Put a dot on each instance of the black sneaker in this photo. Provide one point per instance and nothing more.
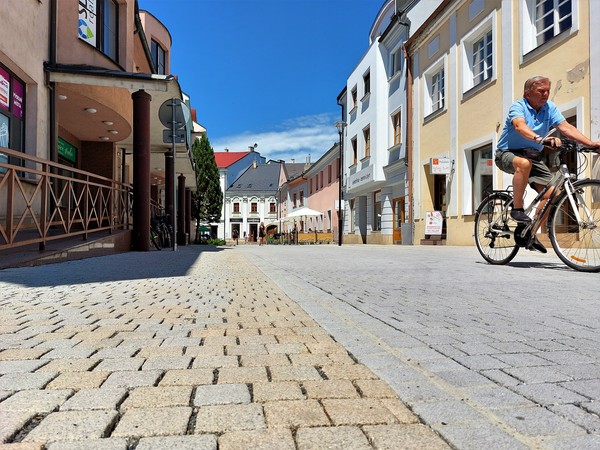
(519, 215)
(537, 245)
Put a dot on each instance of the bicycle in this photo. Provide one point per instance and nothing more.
(573, 223)
(160, 230)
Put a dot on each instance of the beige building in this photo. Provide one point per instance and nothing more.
(469, 62)
(81, 86)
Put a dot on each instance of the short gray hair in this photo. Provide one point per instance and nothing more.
(533, 81)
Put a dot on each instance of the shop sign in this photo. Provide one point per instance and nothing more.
(486, 167)
(440, 166)
(17, 107)
(434, 220)
(87, 21)
(4, 88)
(3, 131)
(360, 178)
(67, 151)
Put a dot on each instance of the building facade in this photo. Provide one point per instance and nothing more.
(470, 61)
(374, 106)
(252, 199)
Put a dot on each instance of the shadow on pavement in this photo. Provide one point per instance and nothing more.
(120, 267)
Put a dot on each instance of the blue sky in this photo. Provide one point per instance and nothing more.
(267, 71)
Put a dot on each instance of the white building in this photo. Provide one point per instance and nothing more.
(374, 108)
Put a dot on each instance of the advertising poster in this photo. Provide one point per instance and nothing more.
(17, 99)
(434, 222)
(4, 88)
(87, 21)
(3, 131)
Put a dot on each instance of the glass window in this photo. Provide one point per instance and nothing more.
(436, 91)
(396, 124)
(396, 59)
(552, 17)
(377, 211)
(354, 98)
(483, 167)
(272, 208)
(254, 207)
(236, 207)
(301, 198)
(367, 136)
(12, 112)
(482, 59)
(354, 151)
(158, 57)
(110, 28)
(367, 83)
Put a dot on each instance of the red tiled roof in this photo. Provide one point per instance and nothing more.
(225, 159)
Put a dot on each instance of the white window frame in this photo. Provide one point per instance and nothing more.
(396, 62)
(468, 171)
(529, 32)
(398, 112)
(428, 75)
(486, 26)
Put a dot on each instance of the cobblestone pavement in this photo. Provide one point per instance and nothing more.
(186, 350)
(499, 357)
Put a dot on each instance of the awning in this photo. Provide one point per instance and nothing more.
(303, 212)
(77, 79)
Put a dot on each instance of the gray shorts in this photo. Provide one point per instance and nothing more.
(540, 173)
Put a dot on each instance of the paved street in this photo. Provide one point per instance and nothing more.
(297, 347)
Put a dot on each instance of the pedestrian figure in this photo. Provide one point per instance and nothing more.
(261, 233)
(245, 238)
(235, 235)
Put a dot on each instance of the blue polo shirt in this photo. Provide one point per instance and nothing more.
(539, 121)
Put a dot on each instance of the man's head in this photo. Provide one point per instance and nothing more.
(536, 91)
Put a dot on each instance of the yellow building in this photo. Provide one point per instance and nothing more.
(468, 63)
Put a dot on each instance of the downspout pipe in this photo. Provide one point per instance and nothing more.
(409, 137)
(51, 85)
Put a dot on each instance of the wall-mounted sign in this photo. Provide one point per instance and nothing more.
(440, 166)
(87, 21)
(17, 99)
(360, 178)
(3, 131)
(67, 151)
(4, 88)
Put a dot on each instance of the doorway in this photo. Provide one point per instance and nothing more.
(399, 205)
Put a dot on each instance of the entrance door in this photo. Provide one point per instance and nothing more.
(253, 232)
(399, 217)
(439, 198)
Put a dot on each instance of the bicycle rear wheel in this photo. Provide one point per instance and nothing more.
(494, 230)
(577, 244)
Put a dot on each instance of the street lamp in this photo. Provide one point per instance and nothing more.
(340, 127)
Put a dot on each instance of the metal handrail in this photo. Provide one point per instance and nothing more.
(41, 200)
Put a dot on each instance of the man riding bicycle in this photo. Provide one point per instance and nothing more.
(522, 140)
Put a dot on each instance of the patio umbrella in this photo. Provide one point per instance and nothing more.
(304, 211)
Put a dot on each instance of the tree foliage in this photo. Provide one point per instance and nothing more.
(208, 199)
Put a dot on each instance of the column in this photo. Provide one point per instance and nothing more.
(141, 170)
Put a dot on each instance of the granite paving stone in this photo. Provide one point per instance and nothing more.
(295, 413)
(69, 365)
(23, 366)
(40, 401)
(269, 439)
(187, 377)
(202, 361)
(11, 422)
(221, 394)
(242, 374)
(72, 425)
(78, 380)
(144, 422)
(224, 418)
(203, 442)
(94, 399)
(22, 381)
(158, 397)
(272, 391)
(131, 379)
(294, 373)
(344, 437)
(405, 437)
(119, 364)
(90, 444)
(361, 411)
(330, 389)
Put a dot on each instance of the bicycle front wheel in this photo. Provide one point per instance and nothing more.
(575, 227)
(494, 230)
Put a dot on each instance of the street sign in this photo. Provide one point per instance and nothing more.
(165, 113)
(440, 166)
(178, 134)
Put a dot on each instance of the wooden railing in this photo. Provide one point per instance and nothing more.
(41, 201)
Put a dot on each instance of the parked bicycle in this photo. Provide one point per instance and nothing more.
(160, 230)
(573, 223)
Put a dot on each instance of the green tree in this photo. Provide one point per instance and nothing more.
(208, 199)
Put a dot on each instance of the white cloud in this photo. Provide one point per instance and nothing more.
(294, 139)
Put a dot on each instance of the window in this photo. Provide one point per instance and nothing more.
(367, 137)
(478, 54)
(254, 207)
(236, 207)
(396, 59)
(435, 89)
(12, 113)
(272, 208)
(397, 127)
(354, 151)
(329, 174)
(377, 211)
(367, 83)
(483, 167)
(543, 20)
(321, 178)
(354, 98)
(109, 28)
(295, 203)
(158, 57)
(98, 25)
(316, 180)
(301, 198)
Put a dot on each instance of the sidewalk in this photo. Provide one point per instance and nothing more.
(181, 350)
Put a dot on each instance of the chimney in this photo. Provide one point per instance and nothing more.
(226, 149)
